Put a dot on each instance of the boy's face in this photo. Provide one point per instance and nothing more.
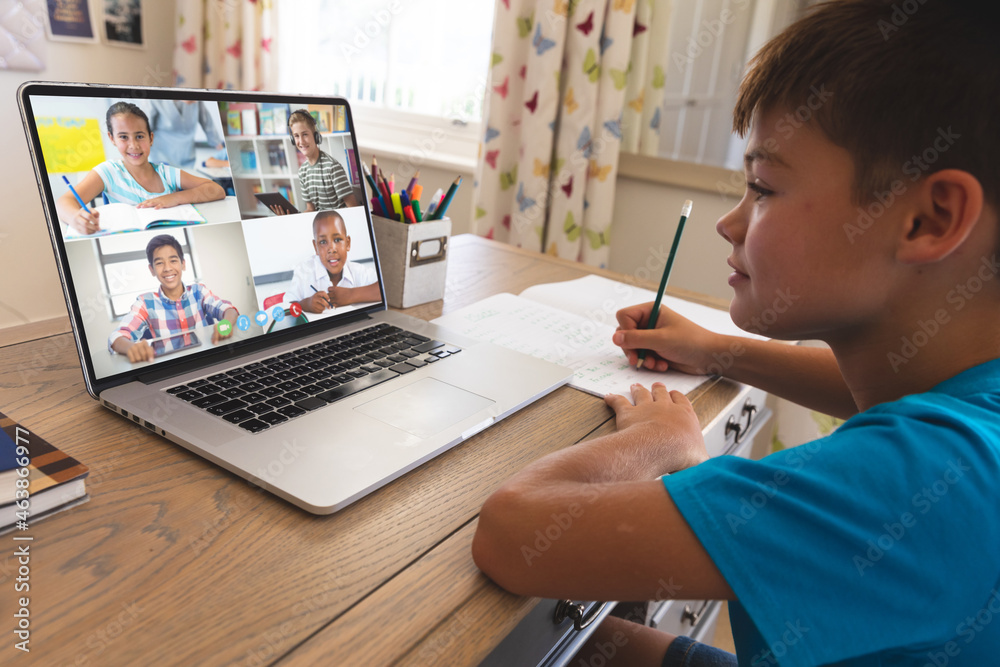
(332, 244)
(302, 133)
(797, 273)
(167, 268)
(131, 137)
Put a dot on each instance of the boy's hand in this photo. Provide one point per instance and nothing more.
(163, 201)
(140, 351)
(676, 343)
(86, 223)
(341, 296)
(277, 209)
(317, 303)
(665, 420)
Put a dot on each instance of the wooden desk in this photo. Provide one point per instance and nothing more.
(176, 561)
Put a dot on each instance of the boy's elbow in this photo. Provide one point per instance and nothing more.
(216, 192)
(496, 546)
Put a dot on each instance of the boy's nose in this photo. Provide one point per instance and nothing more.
(732, 226)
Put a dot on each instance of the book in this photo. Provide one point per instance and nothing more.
(233, 123)
(249, 121)
(56, 480)
(266, 121)
(280, 116)
(248, 159)
(571, 323)
(341, 122)
(352, 166)
(118, 218)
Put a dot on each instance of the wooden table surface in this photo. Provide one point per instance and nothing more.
(174, 561)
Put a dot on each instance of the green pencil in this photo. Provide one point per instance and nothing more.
(651, 324)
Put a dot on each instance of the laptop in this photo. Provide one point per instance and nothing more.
(225, 332)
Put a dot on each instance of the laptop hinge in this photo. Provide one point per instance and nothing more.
(184, 367)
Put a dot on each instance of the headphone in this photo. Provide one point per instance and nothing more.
(317, 137)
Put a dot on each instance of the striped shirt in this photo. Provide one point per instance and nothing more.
(120, 187)
(155, 316)
(325, 183)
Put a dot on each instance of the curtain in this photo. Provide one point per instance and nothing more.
(562, 74)
(226, 44)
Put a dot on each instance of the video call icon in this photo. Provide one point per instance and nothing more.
(224, 327)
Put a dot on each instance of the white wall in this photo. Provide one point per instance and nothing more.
(29, 281)
(645, 219)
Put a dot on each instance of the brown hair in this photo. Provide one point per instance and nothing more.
(125, 108)
(907, 87)
(301, 116)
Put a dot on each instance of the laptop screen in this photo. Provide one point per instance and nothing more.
(193, 222)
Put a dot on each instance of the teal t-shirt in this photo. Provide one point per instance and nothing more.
(877, 545)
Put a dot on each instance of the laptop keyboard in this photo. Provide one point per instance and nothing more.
(272, 391)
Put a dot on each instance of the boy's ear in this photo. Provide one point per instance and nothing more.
(948, 205)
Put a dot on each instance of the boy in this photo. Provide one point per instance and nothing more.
(324, 181)
(173, 309)
(327, 279)
(133, 179)
(871, 200)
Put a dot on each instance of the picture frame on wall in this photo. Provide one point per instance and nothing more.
(123, 24)
(70, 21)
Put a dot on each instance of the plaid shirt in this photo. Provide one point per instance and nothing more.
(155, 316)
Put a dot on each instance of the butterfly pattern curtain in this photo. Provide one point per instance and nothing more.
(225, 44)
(561, 76)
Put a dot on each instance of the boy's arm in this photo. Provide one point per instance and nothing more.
(804, 375)
(553, 529)
(343, 296)
(127, 340)
(351, 200)
(194, 190)
(135, 352)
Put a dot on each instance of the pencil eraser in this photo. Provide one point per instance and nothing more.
(686, 209)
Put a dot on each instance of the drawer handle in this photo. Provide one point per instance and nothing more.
(693, 616)
(748, 412)
(567, 609)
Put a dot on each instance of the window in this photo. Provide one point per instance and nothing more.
(710, 41)
(428, 57)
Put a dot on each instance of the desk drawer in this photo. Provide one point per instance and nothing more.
(539, 641)
(738, 423)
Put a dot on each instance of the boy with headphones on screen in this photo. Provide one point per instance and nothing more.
(324, 182)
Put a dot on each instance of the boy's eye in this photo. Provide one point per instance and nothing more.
(758, 190)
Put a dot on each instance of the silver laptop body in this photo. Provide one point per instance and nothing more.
(321, 460)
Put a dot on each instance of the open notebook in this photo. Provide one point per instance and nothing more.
(118, 218)
(571, 323)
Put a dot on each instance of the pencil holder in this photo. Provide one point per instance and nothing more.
(414, 260)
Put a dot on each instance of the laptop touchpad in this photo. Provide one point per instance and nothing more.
(425, 407)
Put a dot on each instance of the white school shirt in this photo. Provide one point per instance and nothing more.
(312, 273)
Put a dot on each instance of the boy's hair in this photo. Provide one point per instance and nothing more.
(301, 116)
(907, 87)
(158, 242)
(323, 215)
(119, 108)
